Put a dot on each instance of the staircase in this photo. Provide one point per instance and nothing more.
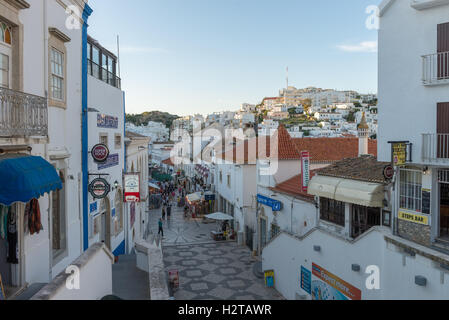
(257, 270)
(441, 245)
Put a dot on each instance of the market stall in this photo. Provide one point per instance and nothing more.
(194, 203)
(223, 228)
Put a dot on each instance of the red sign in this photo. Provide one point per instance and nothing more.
(99, 188)
(100, 153)
(389, 172)
(305, 170)
(132, 187)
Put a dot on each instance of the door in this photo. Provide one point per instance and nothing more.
(263, 233)
(444, 210)
(443, 130)
(443, 51)
(105, 235)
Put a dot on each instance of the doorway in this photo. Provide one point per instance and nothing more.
(444, 211)
(11, 261)
(105, 235)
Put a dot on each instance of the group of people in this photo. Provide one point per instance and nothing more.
(168, 193)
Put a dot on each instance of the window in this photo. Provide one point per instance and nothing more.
(104, 139)
(4, 70)
(59, 236)
(411, 190)
(229, 180)
(221, 177)
(118, 141)
(332, 211)
(275, 230)
(57, 74)
(5, 33)
(363, 219)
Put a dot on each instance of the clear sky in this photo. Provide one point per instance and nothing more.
(201, 56)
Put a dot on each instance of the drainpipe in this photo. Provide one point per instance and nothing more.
(84, 134)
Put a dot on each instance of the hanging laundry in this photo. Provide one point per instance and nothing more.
(3, 221)
(12, 238)
(34, 217)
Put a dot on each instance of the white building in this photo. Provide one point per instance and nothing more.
(157, 131)
(136, 217)
(41, 57)
(106, 126)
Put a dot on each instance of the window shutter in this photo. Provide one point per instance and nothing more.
(443, 130)
(443, 37)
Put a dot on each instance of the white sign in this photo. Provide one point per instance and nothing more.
(132, 187)
(305, 170)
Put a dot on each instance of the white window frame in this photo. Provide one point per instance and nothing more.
(410, 190)
(57, 76)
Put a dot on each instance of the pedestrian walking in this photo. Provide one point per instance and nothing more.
(161, 229)
(169, 211)
(163, 212)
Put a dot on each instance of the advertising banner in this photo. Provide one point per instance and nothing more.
(305, 170)
(327, 286)
(132, 187)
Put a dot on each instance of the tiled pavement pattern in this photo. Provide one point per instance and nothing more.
(216, 271)
(179, 230)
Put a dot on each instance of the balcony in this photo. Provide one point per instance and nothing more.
(22, 114)
(435, 148)
(436, 69)
(103, 74)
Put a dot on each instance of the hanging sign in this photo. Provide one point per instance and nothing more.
(100, 153)
(399, 153)
(388, 172)
(99, 188)
(132, 187)
(274, 204)
(305, 170)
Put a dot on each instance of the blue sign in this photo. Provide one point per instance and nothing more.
(93, 207)
(105, 121)
(306, 280)
(274, 204)
(112, 161)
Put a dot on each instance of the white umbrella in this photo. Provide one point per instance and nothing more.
(154, 186)
(219, 216)
(193, 197)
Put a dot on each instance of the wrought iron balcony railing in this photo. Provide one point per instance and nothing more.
(436, 68)
(22, 114)
(435, 148)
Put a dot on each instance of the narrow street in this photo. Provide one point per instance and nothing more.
(208, 270)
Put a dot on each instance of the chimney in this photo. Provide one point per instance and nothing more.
(363, 130)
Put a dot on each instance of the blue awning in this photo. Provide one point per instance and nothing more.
(23, 178)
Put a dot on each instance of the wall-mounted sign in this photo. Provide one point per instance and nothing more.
(412, 217)
(93, 207)
(100, 153)
(132, 187)
(305, 170)
(327, 286)
(99, 188)
(105, 121)
(274, 204)
(111, 161)
(426, 200)
(306, 280)
(269, 279)
(388, 172)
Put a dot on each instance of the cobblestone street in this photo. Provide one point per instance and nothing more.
(208, 270)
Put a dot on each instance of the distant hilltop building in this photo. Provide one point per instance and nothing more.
(157, 131)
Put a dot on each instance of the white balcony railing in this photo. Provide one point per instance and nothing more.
(436, 68)
(435, 148)
(22, 114)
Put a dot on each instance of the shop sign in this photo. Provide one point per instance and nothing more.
(306, 280)
(111, 161)
(100, 153)
(209, 197)
(305, 170)
(105, 121)
(132, 187)
(99, 188)
(327, 286)
(388, 172)
(412, 217)
(274, 204)
(93, 207)
(399, 153)
(269, 279)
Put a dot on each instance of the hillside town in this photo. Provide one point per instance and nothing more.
(313, 194)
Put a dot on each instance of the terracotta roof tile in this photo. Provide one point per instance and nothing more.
(293, 187)
(333, 149)
(168, 162)
(364, 168)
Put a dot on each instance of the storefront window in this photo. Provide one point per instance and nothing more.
(411, 190)
(332, 211)
(363, 219)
